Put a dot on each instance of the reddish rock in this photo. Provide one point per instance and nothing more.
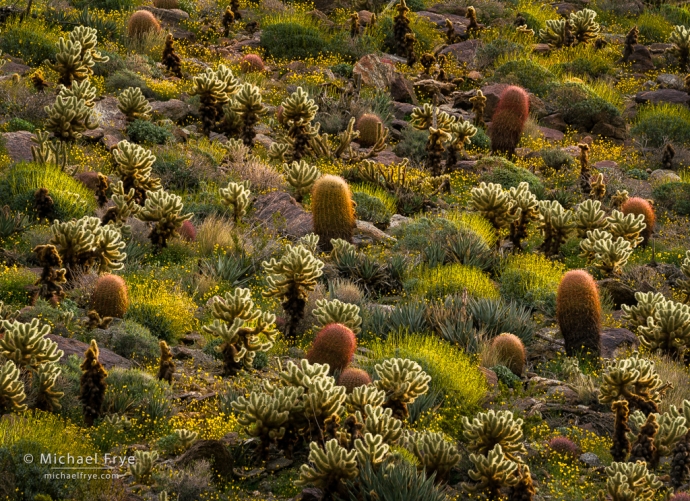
(18, 145)
(281, 212)
(671, 96)
(465, 51)
(108, 358)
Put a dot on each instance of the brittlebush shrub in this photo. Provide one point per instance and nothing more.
(32, 40)
(14, 282)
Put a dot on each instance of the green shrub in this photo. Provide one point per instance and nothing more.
(144, 132)
(676, 14)
(587, 66)
(506, 376)
(137, 394)
(177, 171)
(525, 73)
(453, 373)
(371, 209)
(556, 158)
(653, 27)
(39, 433)
(480, 140)
(14, 282)
(123, 79)
(661, 123)
(419, 233)
(19, 183)
(638, 174)
(509, 175)
(489, 53)
(160, 306)
(674, 196)
(31, 40)
(342, 70)
(412, 144)
(106, 5)
(17, 124)
(293, 41)
(531, 280)
(580, 107)
(134, 341)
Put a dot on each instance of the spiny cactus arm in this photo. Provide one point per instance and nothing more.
(26, 344)
(235, 195)
(298, 267)
(668, 330)
(363, 396)
(629, 227)
(672, 428)
(83, 91)
(310, 241)
(495, 204)
(162, 206)
(12, 393)
(646, 306)
(589, 244)
(302, 374)
(554, 33)
(186, 437)
(495, 427)
(680, 40)
(611, 256)
(435, 453)
(371, 449)
(208, 87)
(263, 416)
(403, 381)
(378, 146)
(143, 465)
(88, 39)
(225, 75)
(588, 217)
(631, 481)
(133, 104)
(301, 176)
(584, 27)
(491, 472)
(68, 62)
(336, 312)
(278, 152)
(323, 399)
(248, 101)
(379, 421)
(525, 200)
(46, 375)
(298, 107)
(108, 249)
(330, 465)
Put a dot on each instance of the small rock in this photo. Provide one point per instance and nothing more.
(551, 134)
(564, 392)
(402, 90)
(71, 346)
(282, 212)
(663, 176)
(641, 59)
(670, 81)
(606, 165)
(590, 459)
(490, 376)
(402, 110)
(174, 109)
(368, 229)
(214, 451)
(321, 19)
(541, 48)
(310, 494)
(18, 145)
(181, 353)
(279, 464)
(464, 52)
(398, 220)
(374, 71)
(614, 338)
(10, 68)
(554, 121)
(671, 96)
(659, 48)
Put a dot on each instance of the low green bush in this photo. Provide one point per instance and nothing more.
(17, 124)
(144, 132)
(176, 170)
(72, 198)
(412, 144)
(489, 53)
(31, 40)
(293, 41)
(509, 175)
(134, 341)
(531, 280)
(674, 196)
(580, 107)
(371, 209)
(653, 27)
(14, 284)
(525, 73)
(123, 79)
(661, 123)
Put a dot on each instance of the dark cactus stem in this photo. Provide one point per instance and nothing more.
(621, 445)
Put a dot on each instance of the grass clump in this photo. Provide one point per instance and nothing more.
(294, 36)
(531, 280)
(72, 199)
(14, 284)
(453, 279)
(30, 40)
(661, 123)
(674, 196)
(144, 132)
(526, 73)
(509, 175)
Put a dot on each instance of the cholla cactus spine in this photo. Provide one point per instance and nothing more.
(69, 117)
(609, 255)
(133, 104)
(331, 466)
(298, 113)
(685, 283)
(371, 449)
(556, 224)
(26, 344)
(527, 207)
(12, 393)
(668, 329)
(588, 216)
(47, 152)
(134, 165)
(584, 27)
(634, 379)
(403, 381)
(249, 108)
(165, 210)
(46, 375)
(336, 312)
(491, 428)
(301, 176)
(236, 195)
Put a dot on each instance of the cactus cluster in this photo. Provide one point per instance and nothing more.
(635, 380)
(93, 384)
(133, 164)
(244, 329)
(12, 394)
(291, 279)
(684, 283)
(628, 481)
(492, 472)
(215, 89)
(401, 28)
(527, 207)
(298, 112)
(604, 253)
(301, 176)
(52, 274)
(165, 211)
(70, 116)
(47, 152)
(580, 27)
(628, 226)
(403, 381)
(494, 204)
(680, 46)
(133, 104)
(236, 195)
(638, 206)
(337, 312)
(166, 367)
(556, 225)
(589, 217)
(77, 55)
(124, 207)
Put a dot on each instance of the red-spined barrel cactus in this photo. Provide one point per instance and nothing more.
(187, 231)
(578, 311)
(509, 119)
(334, 345)
(332, 210)
(508, 349)
(564, 445)
(367, 125)
(352, 378)
(142, 22)
(252, 63)
(110, 297)
(637, 206)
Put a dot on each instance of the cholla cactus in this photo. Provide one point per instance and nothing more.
(27, 345)
(47, 152)
(323, 401)
(495, 204)
(165, 210)
(301, 375)
(336, 312)
(143, 466)
(278, 152)
(598, 187)
(134, 165)
(556, 224)
(363, 396)
(12, 393)
(301, 176)
(214, 89)
(403, 381)
(291, 279)
(619, 198)
(69, 117)
(83, 91)
(557, 33)
(668, 329)
(478, 107)
(672, 428)
(527, 207)
(492, 472)
(249, 108)
(48, 398)
(77, 55)
(423, 118)
(125, 207)
(85, 243)
(631, 482)
(462, 133)
(310, 241)
(584, 27)
(236, 195)
(608, 255)
(634, 379)
(133, 104)
(492, 428)
(588, 217)
(646, 306)
(435, 454)
(264, 416)
(379, 421)
(331, 466)
(629, 227)
(241, 326)
(298, 113)
(371, 449)
(685, 283)
(680, 40)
